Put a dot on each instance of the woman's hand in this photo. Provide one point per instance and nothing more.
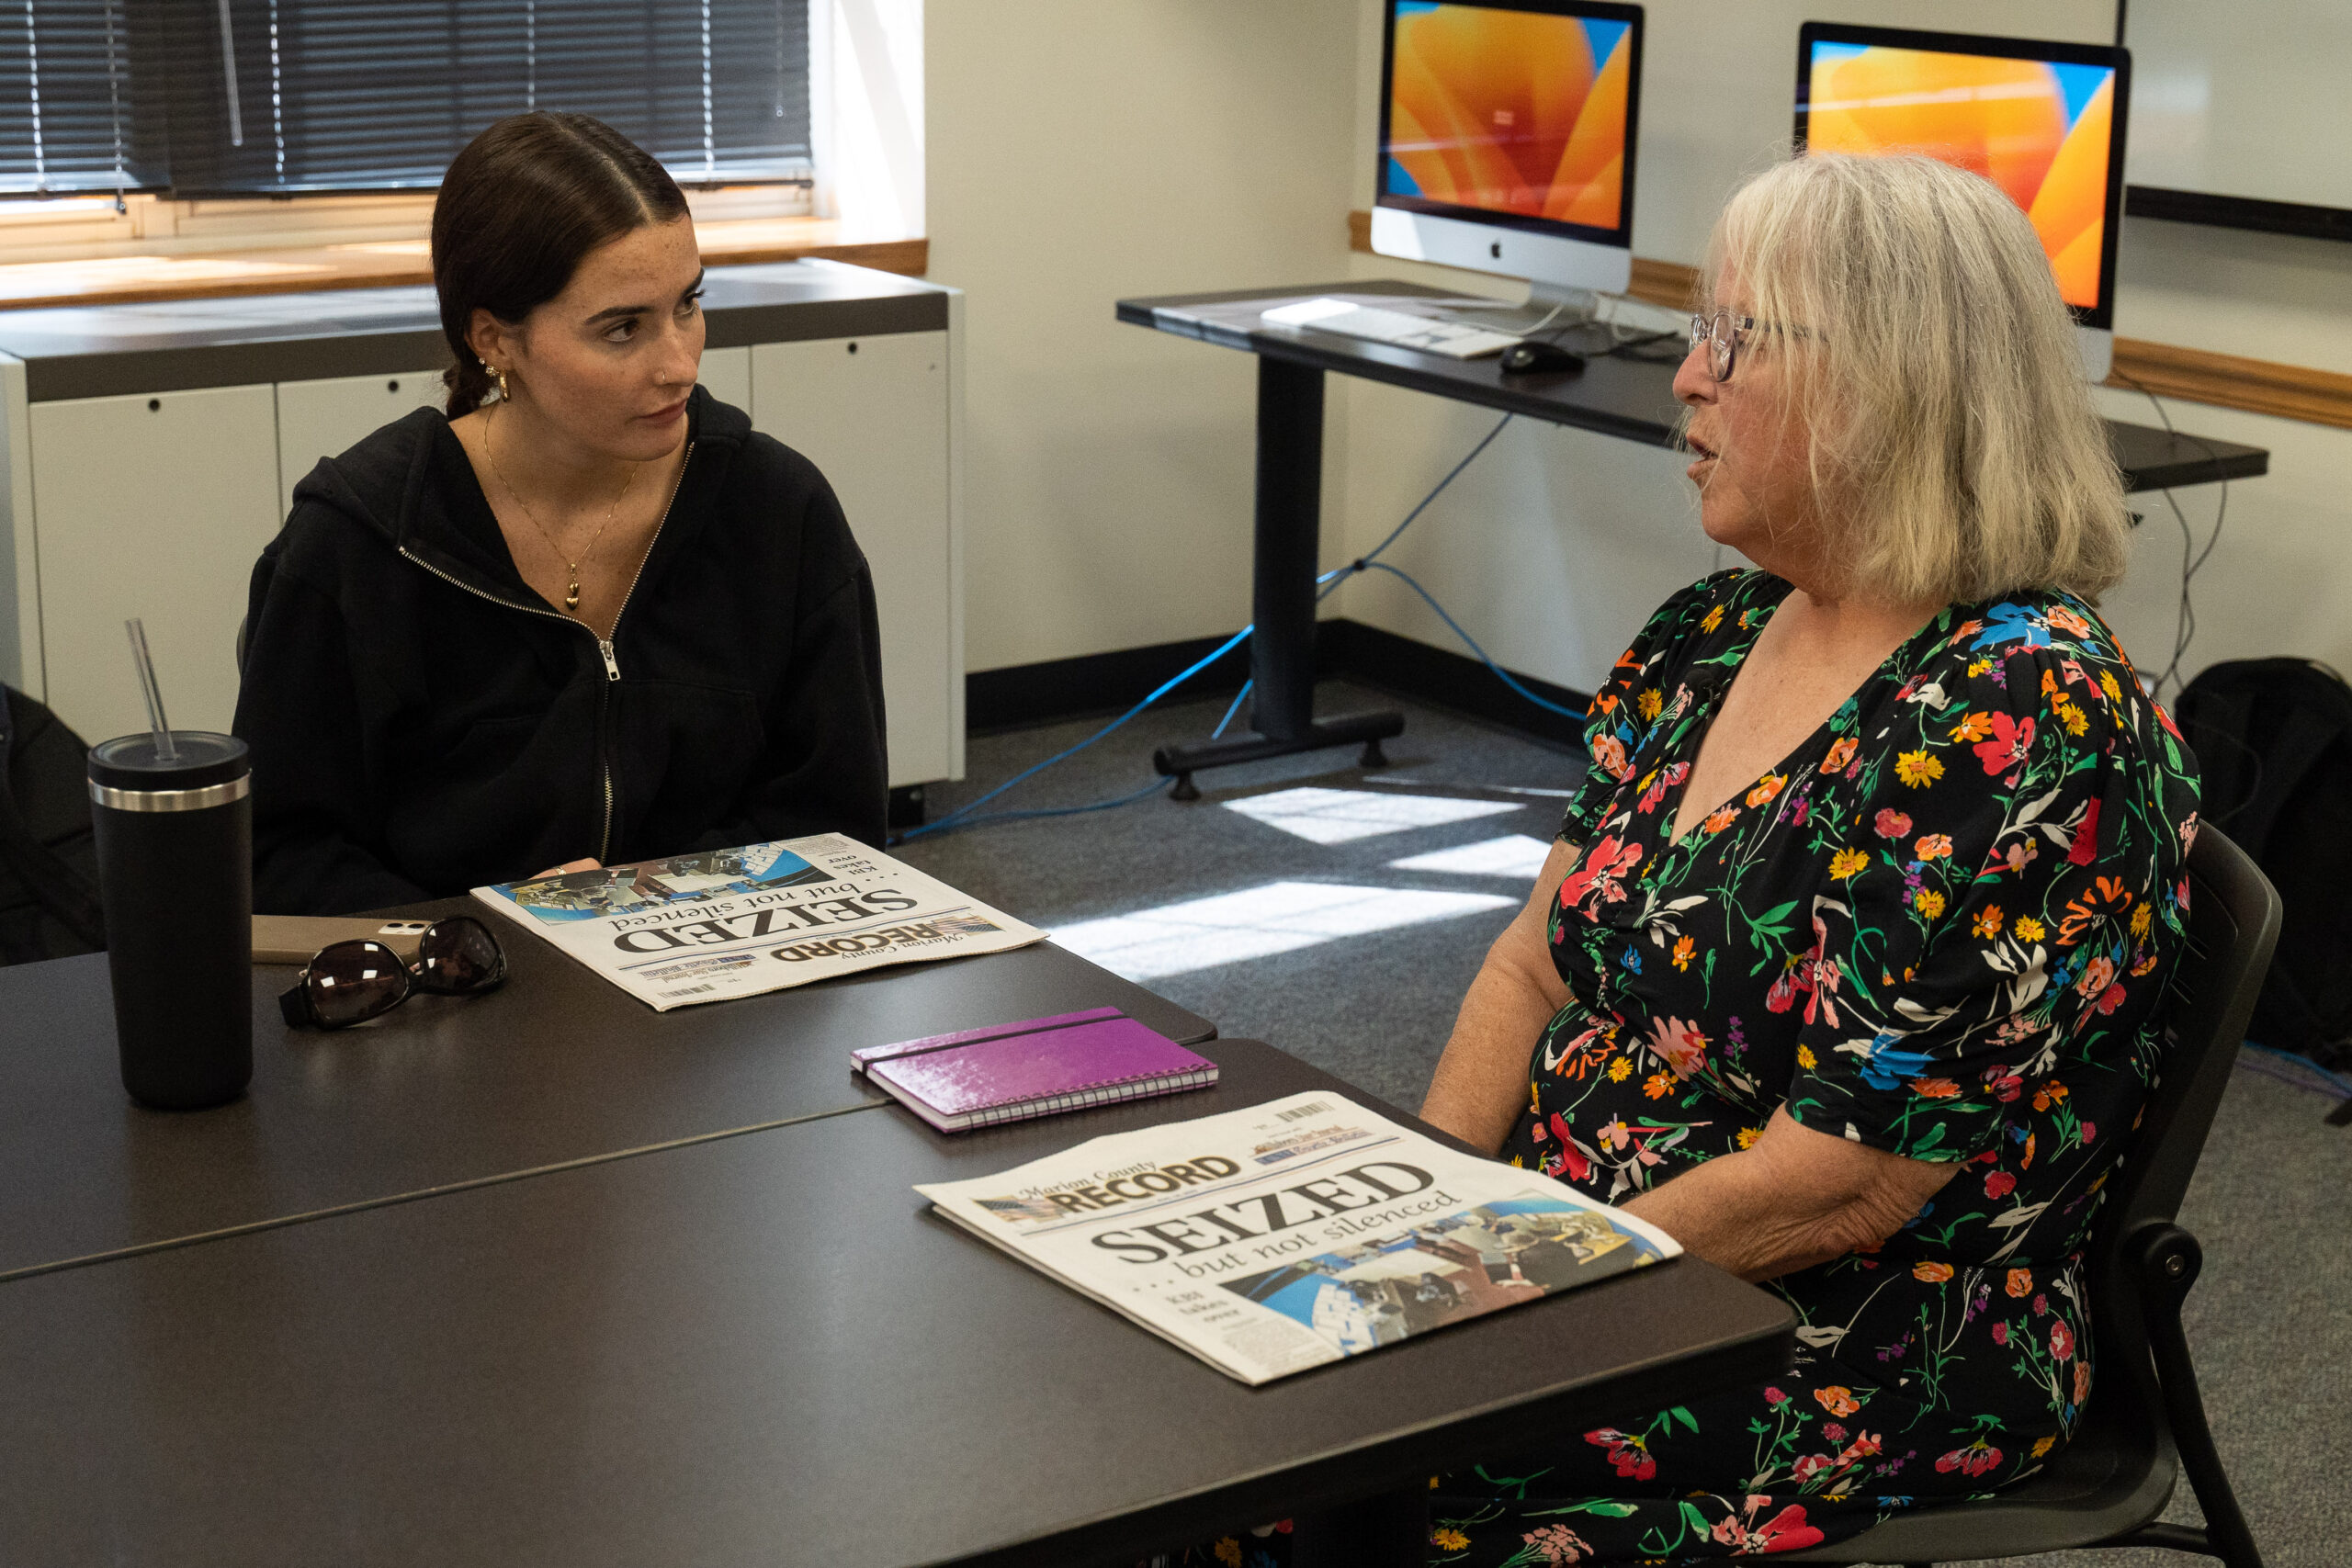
(568, 867)
(1480, 1084)
(1797, 1197)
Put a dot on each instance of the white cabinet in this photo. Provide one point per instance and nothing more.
(727, 373)
(154, 507)
(874, 414)
(325, 419)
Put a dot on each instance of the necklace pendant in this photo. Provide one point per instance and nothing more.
(571, 595)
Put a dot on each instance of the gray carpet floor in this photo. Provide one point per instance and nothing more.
(2270, 1322)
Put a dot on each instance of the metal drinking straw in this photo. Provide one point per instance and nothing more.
(164, 750)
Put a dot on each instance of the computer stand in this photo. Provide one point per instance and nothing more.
(1282, 648)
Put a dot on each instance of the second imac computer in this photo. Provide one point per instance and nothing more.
(2045, 121)
(1507, 140)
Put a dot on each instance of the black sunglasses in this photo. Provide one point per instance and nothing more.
(351, 982)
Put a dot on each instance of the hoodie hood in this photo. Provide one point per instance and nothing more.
(386, 485)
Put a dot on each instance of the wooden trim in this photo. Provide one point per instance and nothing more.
(2192, 375)
(2226, 381)
(1664, 283)
(136, 279)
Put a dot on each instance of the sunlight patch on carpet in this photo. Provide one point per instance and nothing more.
(1256, 922)
(1515, 856)
(1342, 815)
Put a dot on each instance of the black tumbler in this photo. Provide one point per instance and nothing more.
(175, 869)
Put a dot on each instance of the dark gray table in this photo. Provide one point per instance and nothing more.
(760, 1348)
(1613, 395)
(557, 1067)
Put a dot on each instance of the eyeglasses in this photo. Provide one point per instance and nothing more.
(351, 982)
(1721, 332)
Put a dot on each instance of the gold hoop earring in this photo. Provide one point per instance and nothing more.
(505, 396)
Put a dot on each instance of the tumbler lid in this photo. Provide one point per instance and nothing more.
(129, 762)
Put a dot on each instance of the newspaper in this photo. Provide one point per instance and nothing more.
(703, 928)
(1296, 1233)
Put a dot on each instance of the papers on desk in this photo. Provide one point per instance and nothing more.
(703, 928)
(1230, 322)
(1401, 328)
(1296, 1233)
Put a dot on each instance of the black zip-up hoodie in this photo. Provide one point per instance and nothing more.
(421, 722)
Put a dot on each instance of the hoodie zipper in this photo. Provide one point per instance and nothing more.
(613, 664)
(604, 645)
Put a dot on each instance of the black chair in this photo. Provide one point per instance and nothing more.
(49, 863)
(2145, 1422)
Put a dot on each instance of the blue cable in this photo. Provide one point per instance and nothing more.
(950, 824)
(1163, 689)
(1501, 673)
(1374, 552)
(1236, 709)
(1328, 583)
(2342, 1085)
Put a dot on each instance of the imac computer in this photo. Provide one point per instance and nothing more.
(2045, 121)
(1507, 140)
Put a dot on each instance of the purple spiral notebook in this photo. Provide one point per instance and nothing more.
(1011, 1072)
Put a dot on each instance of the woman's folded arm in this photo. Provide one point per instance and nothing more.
(1794, 1199)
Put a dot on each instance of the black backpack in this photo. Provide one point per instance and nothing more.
(2273, 739)
(49, 870)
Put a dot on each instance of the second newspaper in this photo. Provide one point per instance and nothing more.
(702, 928)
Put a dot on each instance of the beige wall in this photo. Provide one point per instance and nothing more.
(2280, 581)
(1084, 151)
(1081, 151)
(1553, 548)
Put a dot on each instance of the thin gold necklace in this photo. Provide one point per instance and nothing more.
(571, 593)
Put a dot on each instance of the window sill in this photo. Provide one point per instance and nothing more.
(125, 280)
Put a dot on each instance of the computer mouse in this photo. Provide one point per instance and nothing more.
(1528, 358)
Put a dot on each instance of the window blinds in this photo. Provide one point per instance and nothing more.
(280, 96)
(69, 120)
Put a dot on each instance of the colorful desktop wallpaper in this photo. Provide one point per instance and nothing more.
(2040, 131)
(1510, 111)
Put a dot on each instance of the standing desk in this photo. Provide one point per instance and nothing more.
(1629, 398)
(555, 1067)
(760, 1348)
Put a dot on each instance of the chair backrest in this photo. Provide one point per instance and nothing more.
(49, 892)
(2232, 925)
(2233, 915)
(2122, 1465)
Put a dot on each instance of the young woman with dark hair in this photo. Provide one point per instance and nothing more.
(586, 614)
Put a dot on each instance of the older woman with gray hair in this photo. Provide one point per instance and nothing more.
(1846, 967)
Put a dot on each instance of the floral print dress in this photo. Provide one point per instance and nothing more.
(1940, 926)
